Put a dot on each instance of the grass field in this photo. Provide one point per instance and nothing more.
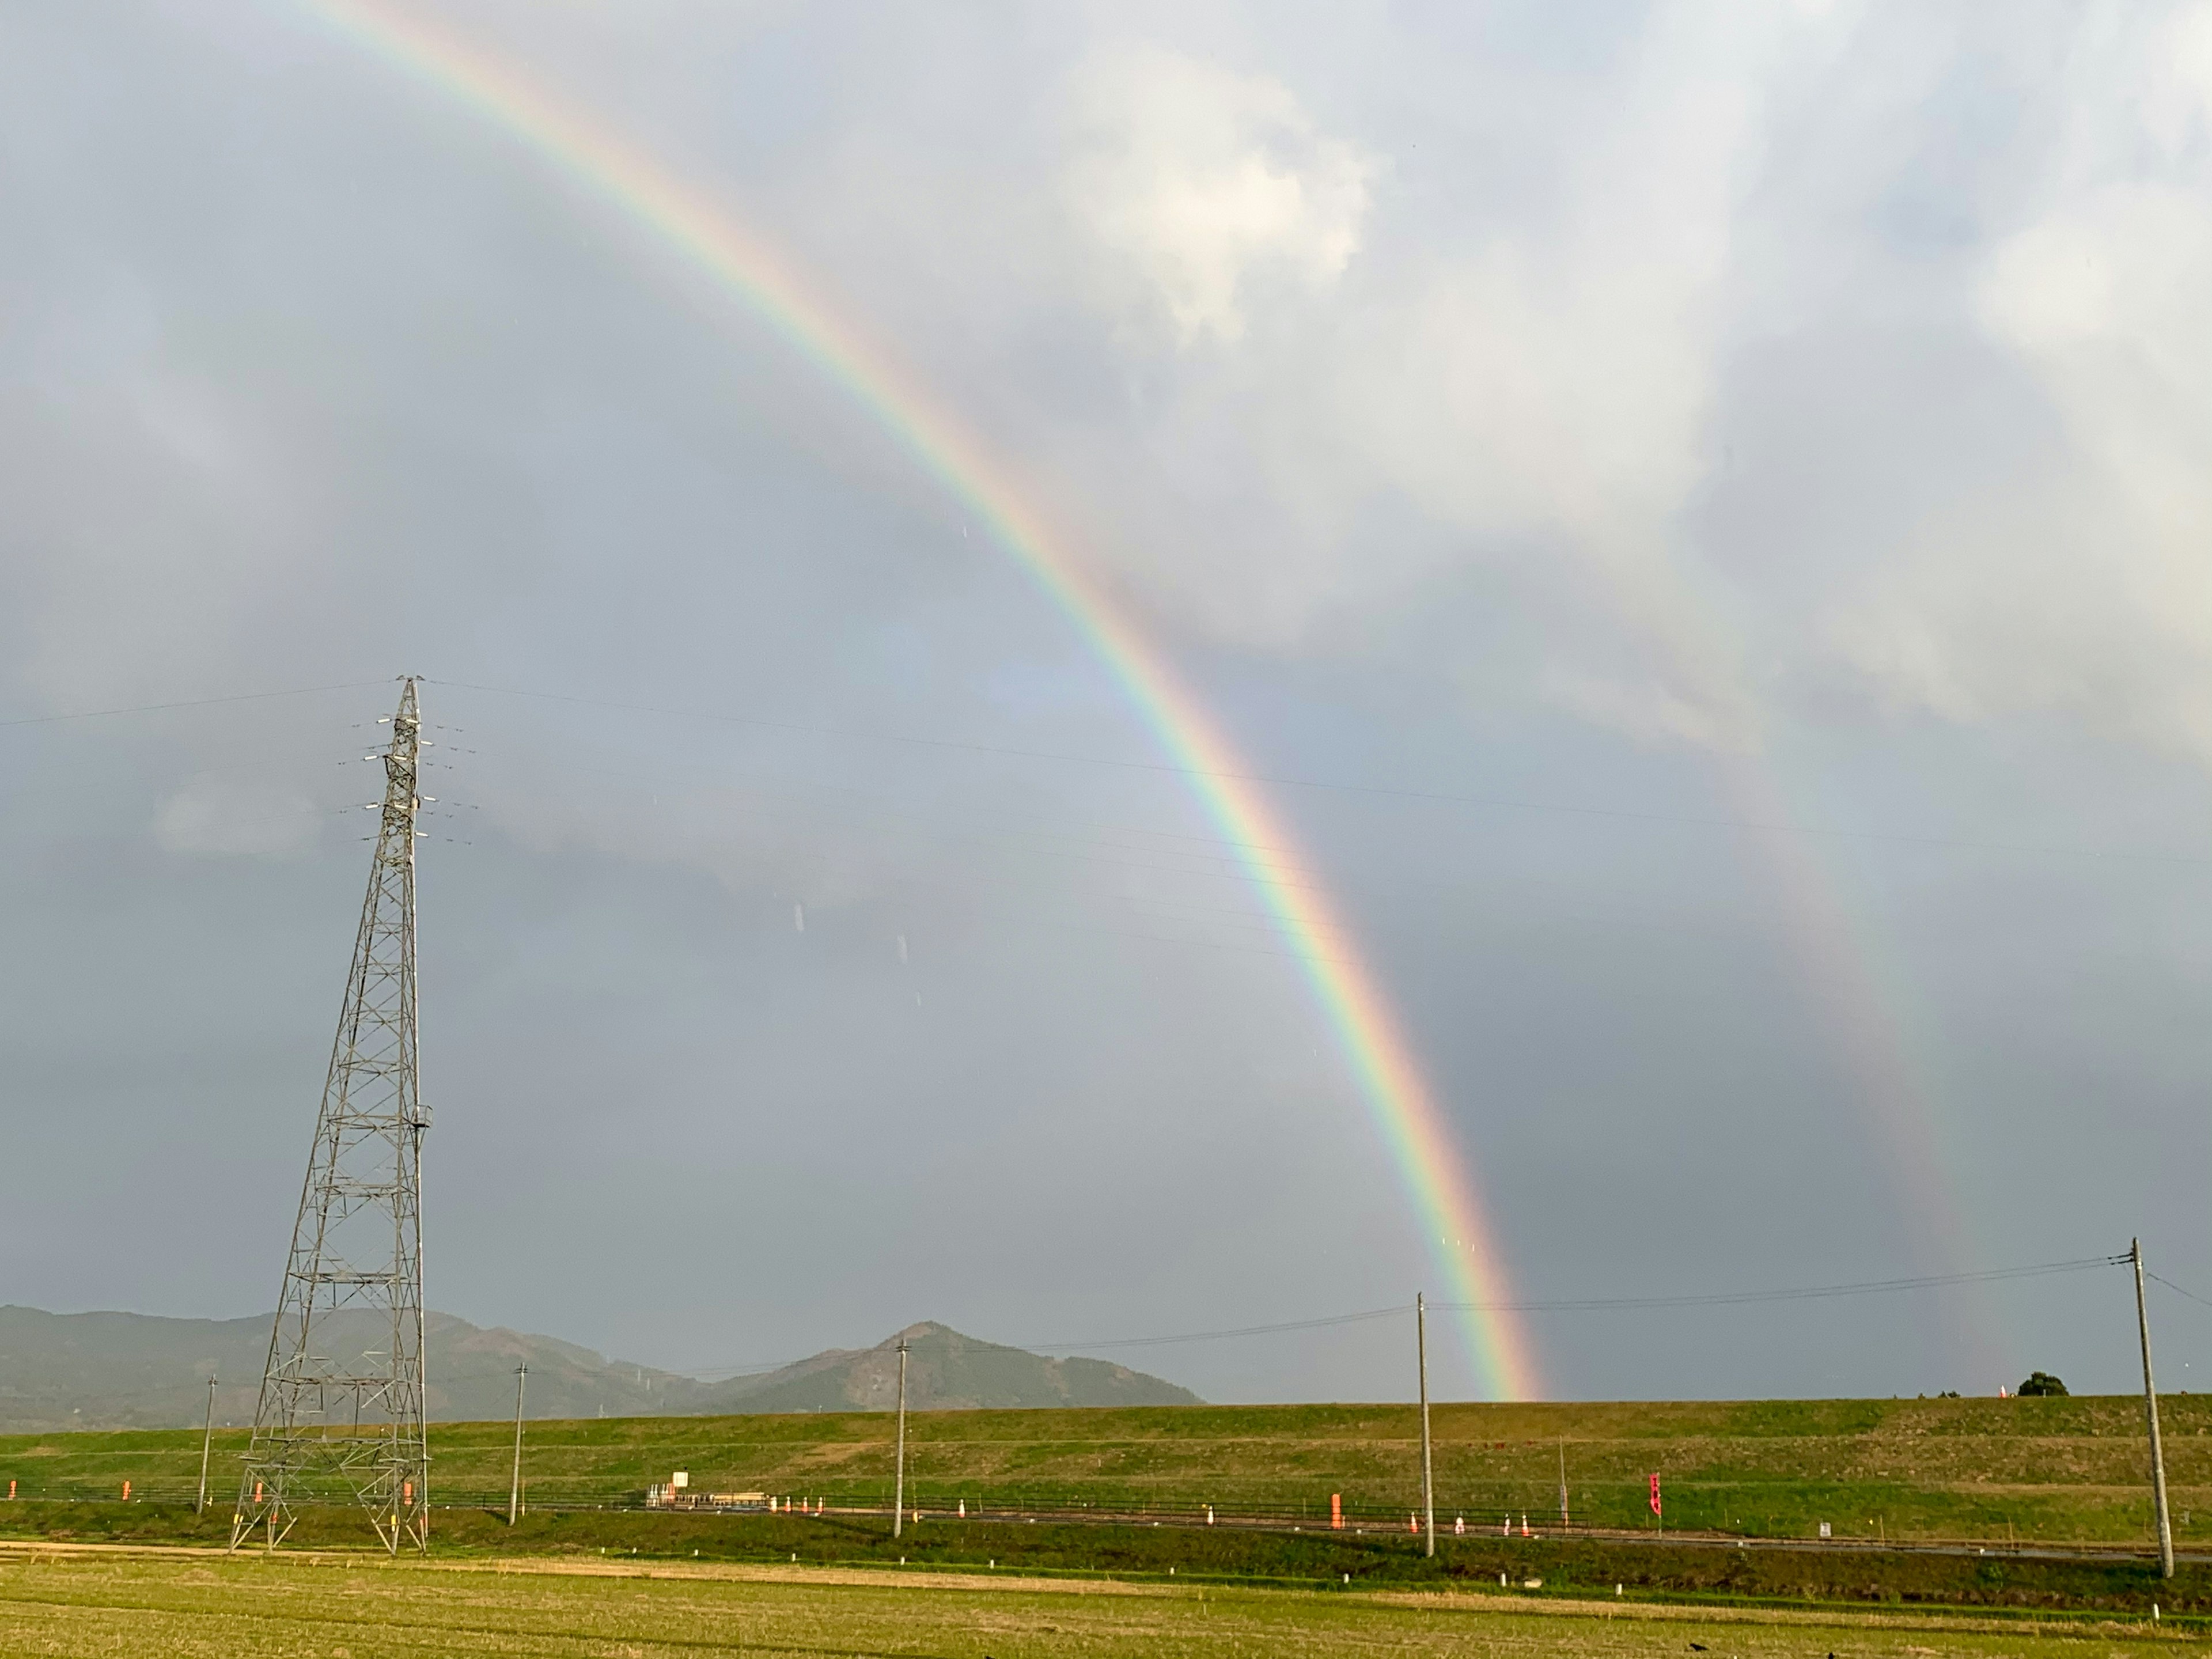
(101, 1607)
(1703, 1570)
(2065, 1469)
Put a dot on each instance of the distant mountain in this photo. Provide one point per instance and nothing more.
(120, 1371)
(946, 1371)
(124, 1370)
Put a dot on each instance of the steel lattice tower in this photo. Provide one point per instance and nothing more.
(340, 1417)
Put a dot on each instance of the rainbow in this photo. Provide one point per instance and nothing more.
(1399, 1100)
(1836, 965)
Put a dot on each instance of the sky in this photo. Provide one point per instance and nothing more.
(1698, 514)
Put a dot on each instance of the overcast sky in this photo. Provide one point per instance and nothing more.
(1731, 487)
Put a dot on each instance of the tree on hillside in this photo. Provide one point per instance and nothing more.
(2041, 1382)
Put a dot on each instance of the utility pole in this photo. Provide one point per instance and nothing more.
(898, 1478)
(514, 1486)
(1428, 1471)
(2150, 1415)
(207, 1444)
(341, 1412)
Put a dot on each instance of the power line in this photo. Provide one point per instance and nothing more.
(191, 702)
(1334, 786)
(1596, 1304)
(1033, 843)
(1037, 844)
(757, 1368)
(875, 805)
(1498, 803)
(2177, 1289)
(1212, 866)
(1599, 1304)
(1217, 1336)
(1120, 856)
(1730, 1299)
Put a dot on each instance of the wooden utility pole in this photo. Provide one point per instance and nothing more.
(1428, 1469)
(2150, 1416)
(514, 1486)
(898, 1476)
(206, 1441)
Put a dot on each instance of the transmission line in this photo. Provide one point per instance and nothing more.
(1333, 785)
(1729, 1298)
(1588, 1304)
(191, 702)
(2177, 1289)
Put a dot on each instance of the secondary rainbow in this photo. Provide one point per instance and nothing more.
(1397, 1096)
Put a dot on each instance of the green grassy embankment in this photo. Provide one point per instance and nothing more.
(2063, 1470)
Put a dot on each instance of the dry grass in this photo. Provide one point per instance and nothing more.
(63, 1602)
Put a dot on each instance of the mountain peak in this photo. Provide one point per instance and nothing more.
(946, 1370)
(920, 1332)
(109, 1371)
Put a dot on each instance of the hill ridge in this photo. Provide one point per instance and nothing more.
(112, 1368)
(946, 1370)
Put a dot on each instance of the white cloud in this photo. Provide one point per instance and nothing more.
(1522, 371)
(1206, 186)
(2084, 587)
(1650, 713)
(1536, 385)
(1381, 308)
(1556, 374)
(212, 814)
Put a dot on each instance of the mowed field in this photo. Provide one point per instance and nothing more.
(2065, 1470)
(348, 1607)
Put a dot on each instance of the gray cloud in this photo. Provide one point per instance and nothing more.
(1516, 409)
(211, 814)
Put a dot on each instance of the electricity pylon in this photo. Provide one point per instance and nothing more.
(340, 1416)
